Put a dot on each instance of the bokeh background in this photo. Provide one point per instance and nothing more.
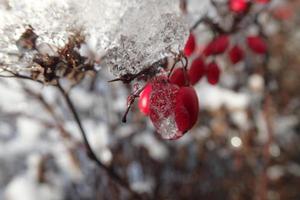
(245, 144)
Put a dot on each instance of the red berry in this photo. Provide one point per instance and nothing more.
(262, 1)
(257, 44)
(173, 110)
(238, 6)
(190, 45)
(197, 70)
(144, 99)
(186, 109)
(217, 46)
(236, 54)
(177, 77)
(213, 73)
(284, 12)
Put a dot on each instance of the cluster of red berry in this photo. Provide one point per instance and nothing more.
(217, 46)
(241, 6)
(171, 101)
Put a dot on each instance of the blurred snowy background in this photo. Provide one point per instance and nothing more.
(244, 146)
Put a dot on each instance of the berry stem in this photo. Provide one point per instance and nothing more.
(130, 102)
(172, 68)
(184, 68)
(178, 59)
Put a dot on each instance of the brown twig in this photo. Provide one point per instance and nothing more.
(123, 183)
(90, 151)
(263, 179)
(58, 121)
(130, 102)
(183, 6)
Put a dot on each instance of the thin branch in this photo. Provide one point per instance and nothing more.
(90, 151)
(197, 23)
(183, 6)
(130, 101)
(58, 121)
(16, 75)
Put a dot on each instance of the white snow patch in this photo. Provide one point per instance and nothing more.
(213, 97)
(156, 149)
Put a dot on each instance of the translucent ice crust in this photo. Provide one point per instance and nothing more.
(126, 35)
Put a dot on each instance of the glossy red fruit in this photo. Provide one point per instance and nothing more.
(262, 1)
(144, 99)
(217, 45)
(236, 54)
(173, 109)
(257, 44)
(177, 77)
(186, 109)
(238, 6)
(197, 70)
(190, 45)
(284, 12)
(213, 73)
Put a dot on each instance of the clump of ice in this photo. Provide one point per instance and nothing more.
(131, 34)
(167, 127)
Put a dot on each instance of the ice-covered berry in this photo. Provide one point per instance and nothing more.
(173, 109)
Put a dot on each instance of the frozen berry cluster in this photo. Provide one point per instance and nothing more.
(171, 101)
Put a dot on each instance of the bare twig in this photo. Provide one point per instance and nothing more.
(183, 6)
(123, 183)
(90, 151)
(58, 121)
(130, 102)
(263, 178)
